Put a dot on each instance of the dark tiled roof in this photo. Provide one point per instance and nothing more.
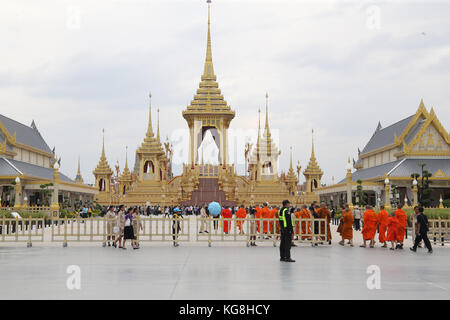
(373, 172)
(25, 134)
(402, 168)
(385, 136)
(410, 166)
(29, 169)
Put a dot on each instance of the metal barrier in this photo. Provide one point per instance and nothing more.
(313, 231)
(438, 230)
(151, 229)
(148, 229)
(78, 230)
(22, 230)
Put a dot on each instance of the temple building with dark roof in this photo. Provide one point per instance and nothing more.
(392, 155)
(25, 155)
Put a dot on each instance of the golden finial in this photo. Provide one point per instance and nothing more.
(126, 156)
(209, 70)
(150, 129)
(103, 146)
(291, 159)
(312, 139)
(267, 111)
(157, 134)
(78, 172)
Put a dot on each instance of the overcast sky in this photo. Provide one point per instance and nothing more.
(339, 67)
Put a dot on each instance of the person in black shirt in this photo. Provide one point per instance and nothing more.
(421, 232)
(287, 232)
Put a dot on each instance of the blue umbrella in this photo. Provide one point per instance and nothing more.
(214, 209)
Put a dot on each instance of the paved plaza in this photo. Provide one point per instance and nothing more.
(160, 271)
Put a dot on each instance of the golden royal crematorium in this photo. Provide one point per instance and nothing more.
(151, 180)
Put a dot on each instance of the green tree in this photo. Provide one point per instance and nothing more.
(361, 194)
(424, 191)
(45, 193)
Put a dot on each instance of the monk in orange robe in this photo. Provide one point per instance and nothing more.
(383, 217)
(258, 215)
(273, 211)
(346, 226)
(240, 216)
(297, 223)
(324, 213)
(226, 214)
(276, 211)
(265, 214)
(306, 225)
(402, 219)
(370, 226)
(392, 229)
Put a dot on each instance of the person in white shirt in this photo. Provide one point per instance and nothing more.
(357, 218)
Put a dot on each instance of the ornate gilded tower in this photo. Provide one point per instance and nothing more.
(103, 175)
(291, 179)
(125, 179)
(208, 111)
(150, 156)
(264, 159)
(312, 173)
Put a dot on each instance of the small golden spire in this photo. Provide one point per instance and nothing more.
(157, 134)
(103, 146)
(150, 129)
(78, 171)
(126, 156)
(312, 139)
(267, 111)
(290, 167)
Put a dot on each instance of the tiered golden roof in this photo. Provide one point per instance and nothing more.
(103, 166)
(126, 174)
(208, 98)
(291, 176)
(151, 145)
(313, 166)
(265, 147)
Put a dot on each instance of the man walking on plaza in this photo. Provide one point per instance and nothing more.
(421, 232)
(287, 232)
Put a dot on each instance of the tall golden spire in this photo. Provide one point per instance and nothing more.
(208, 71)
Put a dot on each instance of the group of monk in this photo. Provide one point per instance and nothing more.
(391, 228)
(307, 232)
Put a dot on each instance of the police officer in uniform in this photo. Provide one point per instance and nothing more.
(287, 232)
